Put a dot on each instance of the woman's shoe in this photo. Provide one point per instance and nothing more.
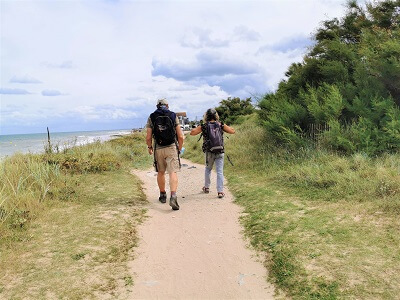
(206, 190)
(221, 194)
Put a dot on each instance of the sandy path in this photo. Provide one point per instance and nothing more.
(196, 252)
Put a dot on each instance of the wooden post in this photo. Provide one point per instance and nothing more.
(48, 139)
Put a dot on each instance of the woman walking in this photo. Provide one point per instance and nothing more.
(213, 147)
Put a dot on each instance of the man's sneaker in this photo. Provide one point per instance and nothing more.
(173, 202)
(163, 198)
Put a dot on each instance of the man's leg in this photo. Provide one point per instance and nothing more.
(173, 167)
(173, 182)
(161, 181)
(161, 186)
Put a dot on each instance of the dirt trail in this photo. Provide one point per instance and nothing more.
(196, 252)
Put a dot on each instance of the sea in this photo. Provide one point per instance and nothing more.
(36, 142)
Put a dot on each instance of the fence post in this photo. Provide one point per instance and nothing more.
(48, 140)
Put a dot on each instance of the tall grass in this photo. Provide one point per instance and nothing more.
(27, 181)
(314, 172)
(24, 183)
(325, 222)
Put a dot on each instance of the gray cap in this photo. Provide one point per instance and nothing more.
(162, 102)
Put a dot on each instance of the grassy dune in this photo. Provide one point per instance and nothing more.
(68, 221)
(327, 224)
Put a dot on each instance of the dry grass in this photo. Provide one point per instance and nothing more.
(77, 243)
(79, 249)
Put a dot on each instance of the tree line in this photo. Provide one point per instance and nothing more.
(348, 81)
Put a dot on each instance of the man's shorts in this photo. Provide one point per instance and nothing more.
(167, 159)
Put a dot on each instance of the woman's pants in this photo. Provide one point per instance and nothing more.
(218, 158)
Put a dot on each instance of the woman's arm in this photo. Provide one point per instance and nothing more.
(195, 131)
(228, 129)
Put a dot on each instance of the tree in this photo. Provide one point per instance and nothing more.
(230, 110)
(350, 79)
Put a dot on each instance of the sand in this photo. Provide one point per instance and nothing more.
(197, 252)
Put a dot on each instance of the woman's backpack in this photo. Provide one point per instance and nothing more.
(213, 137)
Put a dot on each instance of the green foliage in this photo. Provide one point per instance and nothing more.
(230, 110)
(282, 118)
(380, 51)
(324, 103)
(349, 80)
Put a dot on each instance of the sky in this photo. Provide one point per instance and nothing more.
(82, 65)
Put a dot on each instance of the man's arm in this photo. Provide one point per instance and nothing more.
(228, 129)
(149, 138)
(180, 136)
(195, 131)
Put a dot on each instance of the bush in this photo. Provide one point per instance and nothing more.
(348, 81)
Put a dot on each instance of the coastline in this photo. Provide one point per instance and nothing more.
(36, 143)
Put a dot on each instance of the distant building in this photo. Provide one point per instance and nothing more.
(183, 119)
(182, 113)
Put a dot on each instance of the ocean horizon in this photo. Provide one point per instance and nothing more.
(36, 142)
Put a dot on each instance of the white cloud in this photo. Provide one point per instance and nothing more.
(199, 38)
(129, 53)
(10, 91)
(24, 79)
(122, 114)
(51, 93)
(243, 33)
(63, 65)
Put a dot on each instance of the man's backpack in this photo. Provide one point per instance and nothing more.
(213, 137)
(164, 127)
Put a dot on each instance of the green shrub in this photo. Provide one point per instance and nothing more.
(348, 80)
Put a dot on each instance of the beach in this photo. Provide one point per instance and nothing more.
(36, 142)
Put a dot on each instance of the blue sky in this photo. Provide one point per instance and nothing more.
(90, 65)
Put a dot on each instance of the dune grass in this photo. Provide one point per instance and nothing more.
(68, 221)
(327, 224)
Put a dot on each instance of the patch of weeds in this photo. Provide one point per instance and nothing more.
(386, 188)
(78, 256)
(19, 218)
(283, 267)
(109, 286)
(119, 252)
(67, 193)
(128, 281)
(314, 255)
(391, 205)
(325, 290)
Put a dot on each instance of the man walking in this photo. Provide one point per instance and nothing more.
(163, 126)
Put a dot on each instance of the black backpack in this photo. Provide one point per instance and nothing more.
(164, 127)
(213, 137)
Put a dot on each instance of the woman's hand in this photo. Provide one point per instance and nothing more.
(195, 131)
